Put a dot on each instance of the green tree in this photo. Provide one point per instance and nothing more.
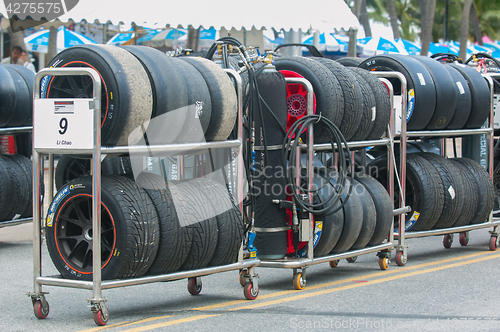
(427, 10)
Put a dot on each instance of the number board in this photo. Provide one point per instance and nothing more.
(63, 124)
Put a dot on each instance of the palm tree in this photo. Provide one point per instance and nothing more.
(476, 26)
(391, 10)
(364, 19)
(464, 28)
(427, 9)
(52, 44)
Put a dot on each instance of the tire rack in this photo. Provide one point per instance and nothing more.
(299, 265)
(97, 302)
(9, 131)
(402, 235)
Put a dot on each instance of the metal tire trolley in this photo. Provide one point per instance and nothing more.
(402, 235)
(299, 265)
(97, 302)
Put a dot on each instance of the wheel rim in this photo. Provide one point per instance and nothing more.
(296, 99)
(80, 86)
(73, 234)
(76, 168)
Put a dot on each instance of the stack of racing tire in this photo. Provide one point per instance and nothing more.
(353, 99)
(363, 221)
(442, 192)
(16, 107)
(16, 91)
(149, 225)
(440, 96)
(16, 187)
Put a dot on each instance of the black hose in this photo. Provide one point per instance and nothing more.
(336, 139)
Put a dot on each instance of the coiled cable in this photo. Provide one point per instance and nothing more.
(339, 144)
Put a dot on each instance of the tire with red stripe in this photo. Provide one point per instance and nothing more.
(130, 232)
(126, 94)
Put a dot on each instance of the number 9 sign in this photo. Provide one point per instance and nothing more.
(63, 124)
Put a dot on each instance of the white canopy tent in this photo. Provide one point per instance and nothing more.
(322, 15)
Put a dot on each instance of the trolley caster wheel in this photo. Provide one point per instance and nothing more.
(493, 243)
(400, 258)
(243, 279)
(194, 287)
(249, 292)
(39, 311)
(100, 319)
(298, 282)
(384, 262)
(334, 263)
(352, 259)
(447, 241)
(463, 238)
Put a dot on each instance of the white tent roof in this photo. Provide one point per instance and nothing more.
(323, 15)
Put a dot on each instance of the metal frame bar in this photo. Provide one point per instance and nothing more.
(15, 130)
(58, 281)
(296, 263)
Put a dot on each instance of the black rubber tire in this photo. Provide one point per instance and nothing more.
(327, 91)
(7, 96)
(471, 199)
(418, 79)
(369, 215)
(368, 108)
(353, 99)
(69, 168)
(231, 228)
(26, 166)
(424, 190)
(383, 208)
(222, 95)
(486, 193)
(19, 189)
(6, 198)
(496, 186)
(453, 189)
(382, 104)
(126, 97)
(480, 96)
(22, 113)
(445, 92)
(193, 210)
(129, 236)
(464, 99)
(199, 110)
(353, 221)
(350, 61)
(169, 94)
(175, 241)
(332, 223)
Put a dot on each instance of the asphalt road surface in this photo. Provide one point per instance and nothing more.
(438, 290)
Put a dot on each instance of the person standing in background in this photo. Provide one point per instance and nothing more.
(15, 57)
(27, 62)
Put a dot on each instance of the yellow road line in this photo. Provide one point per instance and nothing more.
(171, 322)
(123, 324)
(342, 281)
(369, 282)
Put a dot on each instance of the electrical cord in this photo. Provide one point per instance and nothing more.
(335, 137)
